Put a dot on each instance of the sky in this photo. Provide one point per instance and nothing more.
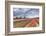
(27, 12)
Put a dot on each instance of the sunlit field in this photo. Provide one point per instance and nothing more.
(26, 22)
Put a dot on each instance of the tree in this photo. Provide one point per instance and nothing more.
(16, 17)
(24, 17)
(20, 17)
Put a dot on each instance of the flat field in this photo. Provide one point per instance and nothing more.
(29, 22)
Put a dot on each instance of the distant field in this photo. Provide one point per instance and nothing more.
(26, 22)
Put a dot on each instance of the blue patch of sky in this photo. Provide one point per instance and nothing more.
(21, 12)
